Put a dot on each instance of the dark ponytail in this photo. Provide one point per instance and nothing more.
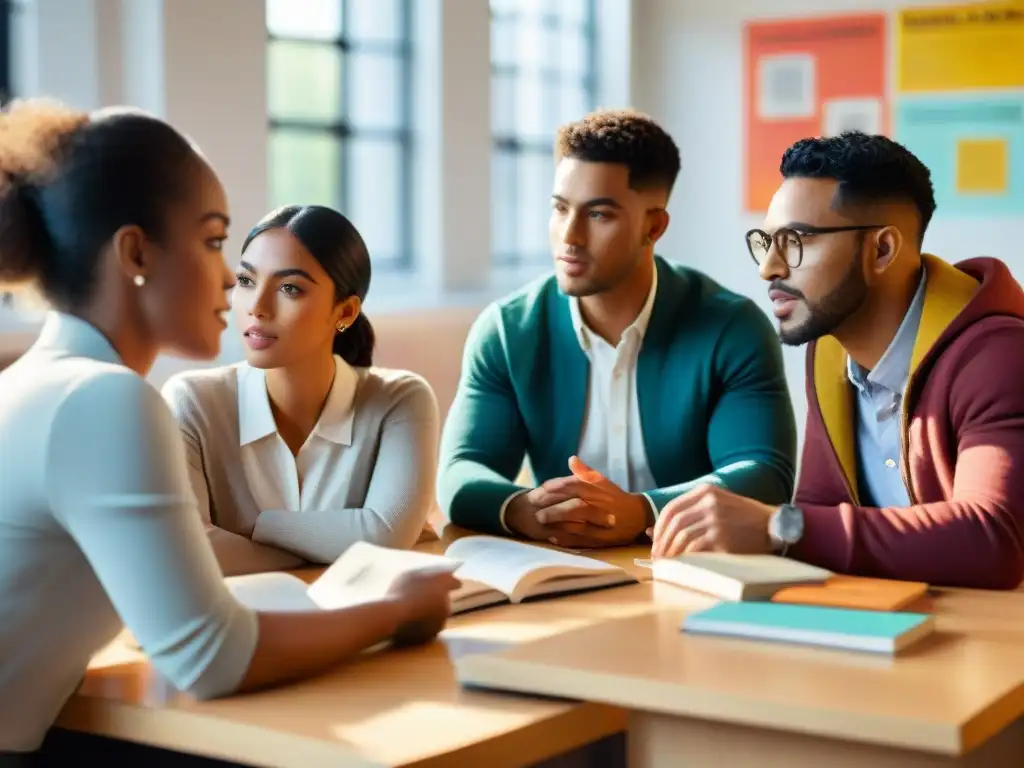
(339, 248)
(355, 344)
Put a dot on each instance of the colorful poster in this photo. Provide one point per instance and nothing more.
(974, 147)
(960, 108)
(809, 77)
(957, 48)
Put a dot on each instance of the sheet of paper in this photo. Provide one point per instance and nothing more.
(365, 573)
(271, 592)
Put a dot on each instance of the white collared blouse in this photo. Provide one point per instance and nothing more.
(366, 472)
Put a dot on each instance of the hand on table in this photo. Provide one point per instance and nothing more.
(711, 519)
(425, 603)
(584, 510)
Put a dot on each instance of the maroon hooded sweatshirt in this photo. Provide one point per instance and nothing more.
(961, 439)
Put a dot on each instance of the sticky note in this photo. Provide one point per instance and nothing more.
(982, 166)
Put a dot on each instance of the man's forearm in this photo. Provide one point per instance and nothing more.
(955, 544)
(752, 479)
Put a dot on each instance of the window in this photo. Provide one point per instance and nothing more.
(340, 103)
(6, 10)
(543, 74)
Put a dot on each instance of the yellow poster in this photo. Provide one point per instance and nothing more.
(961, 47)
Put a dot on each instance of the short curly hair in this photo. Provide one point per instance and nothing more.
(623, 137)
(868, 168)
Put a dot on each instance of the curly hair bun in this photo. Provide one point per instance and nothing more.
(32, 133)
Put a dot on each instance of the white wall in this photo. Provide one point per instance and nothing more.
(687, 73)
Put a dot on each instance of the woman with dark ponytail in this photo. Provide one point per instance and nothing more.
(306, 447)
(118, 221)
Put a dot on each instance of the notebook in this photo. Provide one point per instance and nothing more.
(855, 592)
(736, 577)
(855, 630)
(492, 571)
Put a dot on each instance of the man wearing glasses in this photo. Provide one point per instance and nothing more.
(914, 444)
(626, 379)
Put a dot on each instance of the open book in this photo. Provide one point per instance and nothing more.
(502, 570)
(492, 571)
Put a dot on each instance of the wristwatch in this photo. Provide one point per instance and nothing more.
(786, 527)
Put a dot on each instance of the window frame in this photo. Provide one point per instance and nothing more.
(512, 144)
(342, 130)
(7, 11)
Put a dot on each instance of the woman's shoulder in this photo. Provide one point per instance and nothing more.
(97, 392)
(91, 382)
(396, 389)
(203, 388)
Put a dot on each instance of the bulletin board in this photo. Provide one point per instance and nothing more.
(809, 77)
(956, 75)
(960, 102)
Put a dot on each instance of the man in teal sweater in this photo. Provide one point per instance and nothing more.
(626, 380)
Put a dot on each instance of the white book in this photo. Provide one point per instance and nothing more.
(736, 577)
(492, 570)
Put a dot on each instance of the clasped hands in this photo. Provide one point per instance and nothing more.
(586, 511)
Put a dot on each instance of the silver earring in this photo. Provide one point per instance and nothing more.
(139, 280)
(340, 327)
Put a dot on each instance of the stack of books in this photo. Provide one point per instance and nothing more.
(774, 598)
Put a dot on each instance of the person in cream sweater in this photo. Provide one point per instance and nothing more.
(306, 447)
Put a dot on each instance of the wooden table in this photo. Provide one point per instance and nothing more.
(390, 708)
(956, 698)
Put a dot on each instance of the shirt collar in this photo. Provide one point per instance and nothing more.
(256, 420)
(637, 329)
(72, 335)
(892, 371)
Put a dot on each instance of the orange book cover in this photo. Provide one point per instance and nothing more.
(856, 592)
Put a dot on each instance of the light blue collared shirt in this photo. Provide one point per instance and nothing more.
(878, 404)
(99, 526)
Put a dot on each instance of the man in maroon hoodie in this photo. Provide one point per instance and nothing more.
(913, 457)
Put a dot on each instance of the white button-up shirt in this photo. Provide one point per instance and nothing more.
(612, 441)
(306, 482)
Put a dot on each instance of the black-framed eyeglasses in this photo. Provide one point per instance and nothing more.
(789, 242)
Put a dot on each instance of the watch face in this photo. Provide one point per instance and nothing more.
(791, 524)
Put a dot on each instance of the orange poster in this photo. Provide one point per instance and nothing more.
(809, 77)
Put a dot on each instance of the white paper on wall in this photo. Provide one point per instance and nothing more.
(862, 114)
(786, 86)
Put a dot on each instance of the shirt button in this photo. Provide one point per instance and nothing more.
(618, 428)
(890, 463)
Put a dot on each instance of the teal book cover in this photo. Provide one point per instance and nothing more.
(839, 627)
